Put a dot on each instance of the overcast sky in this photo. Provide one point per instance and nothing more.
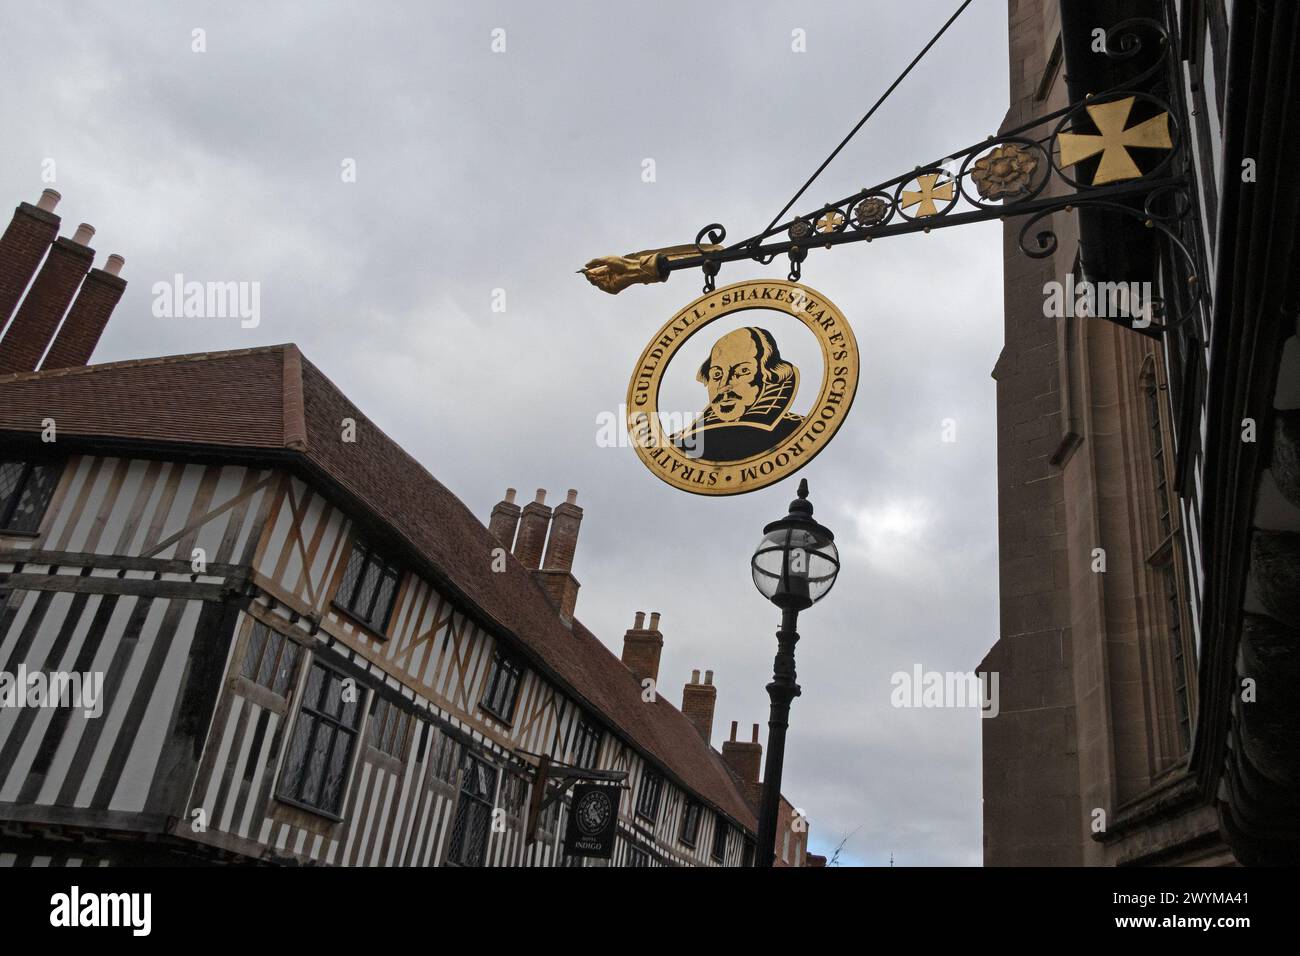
(479, 170)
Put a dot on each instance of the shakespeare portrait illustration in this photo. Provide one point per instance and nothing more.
(750, 390)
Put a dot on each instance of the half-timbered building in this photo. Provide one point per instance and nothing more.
(308, 650)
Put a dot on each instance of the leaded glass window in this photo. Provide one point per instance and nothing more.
(25, 492)
(502, 687)
(473, 822)
(647, 803)
(388, 726)
(690, 822)
(324, 737)
(720, 829)
(368, 588)
(270, 659)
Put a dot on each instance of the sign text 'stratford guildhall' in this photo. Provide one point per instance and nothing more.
(748, 436)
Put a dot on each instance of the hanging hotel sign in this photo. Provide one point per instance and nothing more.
(748, 435)
(593, 819)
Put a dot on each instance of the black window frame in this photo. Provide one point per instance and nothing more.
(588, 735)
(721, 832)
(692, 814)
(52, 471)
(446, 758)
(385, 571)
(513, 796)
(389, 726)
(505, 666)
(309, 709)
(637, 857)
(474, 806)
(266, 646)
(650, 797)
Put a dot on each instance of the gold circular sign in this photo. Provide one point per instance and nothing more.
(746, 438)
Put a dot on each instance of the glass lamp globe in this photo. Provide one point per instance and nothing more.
(796, 563)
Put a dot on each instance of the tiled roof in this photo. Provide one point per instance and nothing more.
(256, 402)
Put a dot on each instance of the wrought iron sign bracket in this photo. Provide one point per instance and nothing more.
(1118, 151)
(552, 780)
(1037, 209)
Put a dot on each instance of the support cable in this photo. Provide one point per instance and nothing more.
(862, 122)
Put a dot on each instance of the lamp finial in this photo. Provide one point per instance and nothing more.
(801, 506)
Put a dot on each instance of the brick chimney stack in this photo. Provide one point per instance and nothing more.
(534, 520)
(746, 761)
(23, 246)
(505, 520)
(698, 701)
(556, 574)
(47, 300)
(642, 647)
(563, 542)
(100, 292)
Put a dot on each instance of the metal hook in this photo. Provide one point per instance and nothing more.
(710, 269)
(797, 256)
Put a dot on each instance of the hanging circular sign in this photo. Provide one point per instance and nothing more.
(747, 437)
(592, 811)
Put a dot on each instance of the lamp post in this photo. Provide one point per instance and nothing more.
(794, 566)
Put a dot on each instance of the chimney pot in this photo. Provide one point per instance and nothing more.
(639, 623)
(708, 677)
(23, 245)
(75, 341)
(534, 522)
(566, 522)
(572, 497)
(698, 701)
(642, 649)
(546, 542)
(503, 523)
(29, 238)
(654, 620)
(85, 232)
(746, 759)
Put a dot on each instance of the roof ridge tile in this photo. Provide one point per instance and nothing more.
(49, 373)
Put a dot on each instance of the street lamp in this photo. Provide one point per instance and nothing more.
(794, 567)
